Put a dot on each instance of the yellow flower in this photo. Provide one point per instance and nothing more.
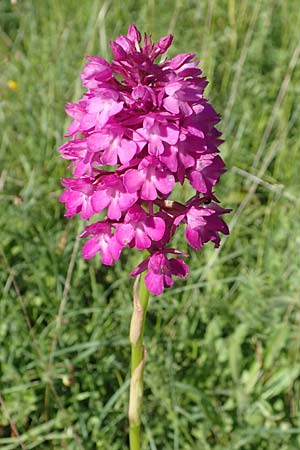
(13, 85)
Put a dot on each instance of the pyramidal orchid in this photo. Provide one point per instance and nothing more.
(142, 127)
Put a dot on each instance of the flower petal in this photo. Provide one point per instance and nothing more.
(90, 248)
(154, 283)
(100, 200)
(133, 180)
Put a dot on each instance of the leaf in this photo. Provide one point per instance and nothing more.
(235, 353)
(275, 344)
(280, 381)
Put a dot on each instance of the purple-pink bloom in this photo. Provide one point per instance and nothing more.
(204, 224)
(103, 241)
(160, 271)
(150, 178)
(141, 228)
(181, 97)
(205, 173)
(100, 109)
(78, 197)
(157, 132)
(111, 146)
(142, 127)
(95, 71)
(112, 194)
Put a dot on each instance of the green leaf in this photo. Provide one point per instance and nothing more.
(275, 344)
(235, 353)
(280, 381)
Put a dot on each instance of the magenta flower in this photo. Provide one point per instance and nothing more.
(112, 194)
(78, 197)
(205, 173)
(140, 229)
(111, 145)
(96, 71)
(161, 270)
(157, 132)
(204, 224)
(102, 241)
(149, 178)
(141, 128)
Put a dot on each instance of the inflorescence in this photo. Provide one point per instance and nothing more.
(141, 127)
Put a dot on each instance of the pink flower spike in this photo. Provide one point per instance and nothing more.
(143, 127)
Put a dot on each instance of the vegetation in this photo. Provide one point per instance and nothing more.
(223, 368)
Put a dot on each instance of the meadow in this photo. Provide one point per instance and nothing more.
(223, 364)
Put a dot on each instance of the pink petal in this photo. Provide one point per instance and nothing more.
(126, 200)
(155, 146)
(170, 134)
(115, 247)
(90, 248)
(100, 200)
(141, 240)
(133, 180)
(98, 141)
(109, 156)
(179, 267)
(148, 191)
(88, 121)
(163, 44)
(106, 256)
(87, 210)
(95, 105)
(193, 238)
(154, 283)
(114, 211)
(164, 183)
(171, 104)
(169, 158)
(155, 228)
(168, 280)
(127, 150)
(180, 59)
(124, 233)
(133, 33)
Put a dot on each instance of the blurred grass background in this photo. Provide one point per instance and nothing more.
(223, 368)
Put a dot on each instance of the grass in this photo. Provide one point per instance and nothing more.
(223, 369)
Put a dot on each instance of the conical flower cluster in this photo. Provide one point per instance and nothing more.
(141, 127)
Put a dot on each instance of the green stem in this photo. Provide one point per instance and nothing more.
(138, 354)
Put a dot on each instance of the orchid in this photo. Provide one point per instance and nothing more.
(142, 127)
(154, 129)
